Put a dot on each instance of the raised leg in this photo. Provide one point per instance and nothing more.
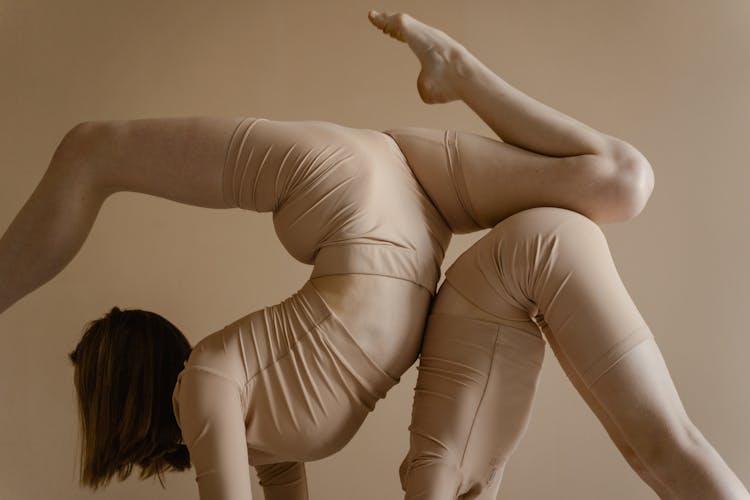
(476, 182)
(450, 72)
(180, 159)
(548, 158)
(554, 267)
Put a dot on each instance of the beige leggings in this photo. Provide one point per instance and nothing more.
(540, 271)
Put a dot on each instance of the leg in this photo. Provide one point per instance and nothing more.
(613, 431)
(180, 159)
(476, 182)
(433, 467)
(450, 72)
(554, 265)
(472, 404)
(450, 301)
(611, 178)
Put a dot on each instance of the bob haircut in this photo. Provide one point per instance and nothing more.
(126, 367)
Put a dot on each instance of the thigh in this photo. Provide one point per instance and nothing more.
(476, 182)
(640, 397)
(472, 401)
(212, 161)
(603, 414)
(554, 266)
(180, 159)
(453, 374)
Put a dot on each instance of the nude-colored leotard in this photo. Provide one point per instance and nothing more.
(292, 383)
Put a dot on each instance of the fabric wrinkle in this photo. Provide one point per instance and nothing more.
(295, 384)
(314, 367)
(551, 265)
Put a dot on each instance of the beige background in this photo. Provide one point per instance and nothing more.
(670, 76)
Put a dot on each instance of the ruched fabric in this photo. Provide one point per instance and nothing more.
(287, 383)
(343, 199)
(541, 273)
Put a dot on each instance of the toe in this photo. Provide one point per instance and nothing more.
(377, 18)
(390, 24)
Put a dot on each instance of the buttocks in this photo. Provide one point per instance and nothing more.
(343, 199)
(352, 193)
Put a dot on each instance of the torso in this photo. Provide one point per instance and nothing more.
(385, 315)
(346, 201)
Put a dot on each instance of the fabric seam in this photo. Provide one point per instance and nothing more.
(498, 340)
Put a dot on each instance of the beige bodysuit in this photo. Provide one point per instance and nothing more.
(290, 383)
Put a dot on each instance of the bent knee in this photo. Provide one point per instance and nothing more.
(77, 158)
(74, 149)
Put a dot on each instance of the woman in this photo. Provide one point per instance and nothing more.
(540, 271)
(292, 382)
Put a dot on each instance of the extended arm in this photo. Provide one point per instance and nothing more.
(209, 413)
(213, 428)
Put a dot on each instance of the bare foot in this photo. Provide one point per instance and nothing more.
(438, 54)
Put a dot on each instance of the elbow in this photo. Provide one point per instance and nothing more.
(631, 182)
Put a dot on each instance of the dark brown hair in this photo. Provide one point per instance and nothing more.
(126, 367)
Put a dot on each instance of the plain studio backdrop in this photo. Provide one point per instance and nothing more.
(669, 76)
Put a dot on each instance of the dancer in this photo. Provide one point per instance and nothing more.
(292, 382)
(542, 271)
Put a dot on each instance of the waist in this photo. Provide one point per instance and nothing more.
(378, 259)
(385, 315)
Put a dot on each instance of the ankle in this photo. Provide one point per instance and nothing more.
(466, 72)
(461, 61)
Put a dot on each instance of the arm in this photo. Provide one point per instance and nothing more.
(213, 428)
(283, 481)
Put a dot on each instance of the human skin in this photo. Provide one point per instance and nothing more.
(548, 158)
(181, 159)
(660, 442)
